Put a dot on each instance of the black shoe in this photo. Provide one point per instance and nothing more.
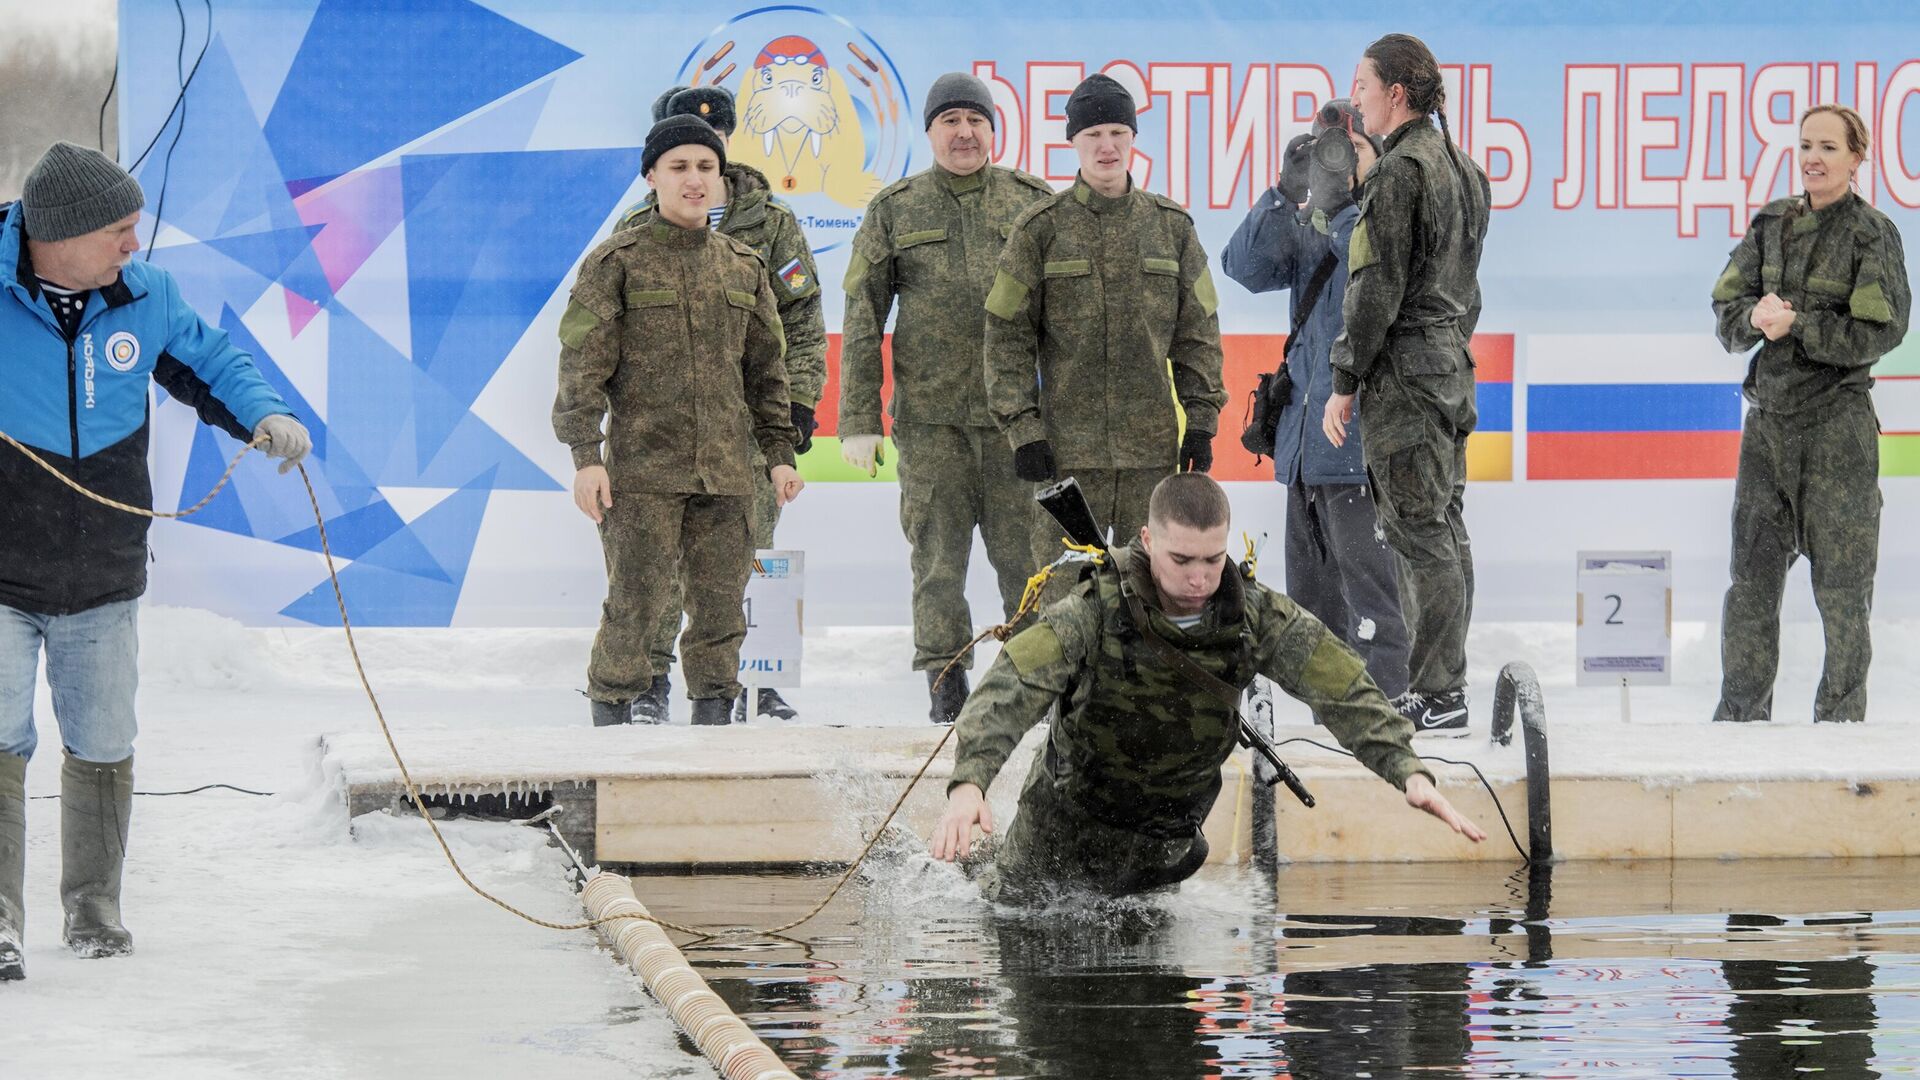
(1444, 713)
(652, 706)
(948, 695)
(93, 930)
(612, 713)
(712, 712)
(13, 966)
(771, 704)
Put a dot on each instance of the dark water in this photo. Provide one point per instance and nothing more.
(1755, 969)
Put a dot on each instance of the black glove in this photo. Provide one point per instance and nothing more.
(804, 423)
(1034, 461)
(1295, 166)
(1196, 452)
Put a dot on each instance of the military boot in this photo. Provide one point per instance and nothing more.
(610, 713)
(948, 695)
(96, 803)
(13, 860)
(652, 707)
(712, 712)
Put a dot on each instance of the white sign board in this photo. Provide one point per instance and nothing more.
(1625, 613)
(775, 619)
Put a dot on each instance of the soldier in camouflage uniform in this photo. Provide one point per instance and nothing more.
(932, 241)
(1098, 289)
(1820, 284)
(671, 336)
(1131, 768)
(747, 211)
(1413, 299)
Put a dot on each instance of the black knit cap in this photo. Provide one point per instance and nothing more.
(680, 131)
(959, 90)
(714, 104)
(1099, 99)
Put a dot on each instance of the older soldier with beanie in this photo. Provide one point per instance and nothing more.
(84, 331)
(931, 242)
(672, 338)
(744, 208)
(1131, 767)
(1099, 287)
(1413, 299)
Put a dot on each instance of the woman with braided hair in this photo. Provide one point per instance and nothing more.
(1413, 297)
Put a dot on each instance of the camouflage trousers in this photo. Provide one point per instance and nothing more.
(1118, 499)
(1807, 486)
(1419, 494)
(954, 479)
(653, 543)
(765, 515)
(1054, 847)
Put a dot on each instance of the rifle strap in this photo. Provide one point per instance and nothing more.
(1178, 660)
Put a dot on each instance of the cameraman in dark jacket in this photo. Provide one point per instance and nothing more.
(1338, 565)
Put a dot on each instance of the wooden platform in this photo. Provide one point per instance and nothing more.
(770, 794)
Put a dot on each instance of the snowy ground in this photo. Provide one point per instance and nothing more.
(272, 944)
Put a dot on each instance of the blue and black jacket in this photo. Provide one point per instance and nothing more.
(1276, 249)
(82, 405)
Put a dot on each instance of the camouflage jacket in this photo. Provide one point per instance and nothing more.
(671, 337)
(1844, 271)
(1093, 296)
(1134, 737)
(755, 218)
(932, 240)
(1413, 294)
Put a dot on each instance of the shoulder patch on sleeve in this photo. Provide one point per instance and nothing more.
(576, 324)
(1034, 648)
(1332, 667)
(1008, 295)
(1731, 284)
(1204, 291)
(1360, 253)
(1869, 304)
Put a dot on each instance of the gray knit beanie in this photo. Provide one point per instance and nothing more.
(75, 190)
(959, 90)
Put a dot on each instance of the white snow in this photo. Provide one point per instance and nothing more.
(270, 943)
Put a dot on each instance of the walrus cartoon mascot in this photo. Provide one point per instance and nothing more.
(798, 125)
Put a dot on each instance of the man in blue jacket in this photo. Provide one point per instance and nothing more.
(1338, 564)
(83, 330)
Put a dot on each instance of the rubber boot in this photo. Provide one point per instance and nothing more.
(96, 803)
(652, 706)
(611, 713)
(948, 695)
(13, 864)
(712, 712)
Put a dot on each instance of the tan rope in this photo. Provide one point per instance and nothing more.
(1001, 632)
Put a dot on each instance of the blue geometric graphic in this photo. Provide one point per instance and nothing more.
(454, 249)
(378, 595)
(356, 82)
(475, 282)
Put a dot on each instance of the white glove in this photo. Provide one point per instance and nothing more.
(286, 438)
(862, 452)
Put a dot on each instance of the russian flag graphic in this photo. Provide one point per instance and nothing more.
(1632, 407)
